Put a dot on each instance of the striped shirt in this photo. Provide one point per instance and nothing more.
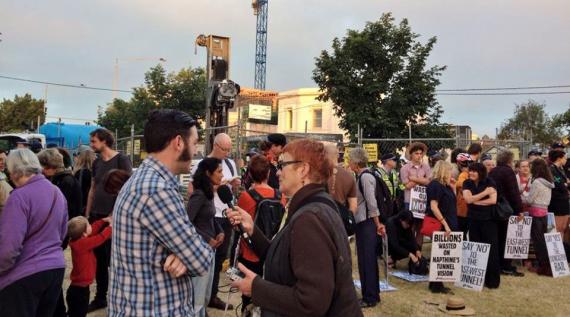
(150, 223)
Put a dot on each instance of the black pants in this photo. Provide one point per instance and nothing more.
(34, 295)
(463, 223)
(60, 306)
(221, 253)
(366, 249)
(77, 301)
(506, 264)
(486, 231)
(103, 256)
(256, 267)
(537, 231)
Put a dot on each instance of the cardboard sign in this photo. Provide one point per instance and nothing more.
(446, 253)
(372, 150)
(556, 254)
(418, 201)
(410, 277)
(518, 238)
(473, 265)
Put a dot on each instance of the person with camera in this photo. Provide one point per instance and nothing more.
(307, 265)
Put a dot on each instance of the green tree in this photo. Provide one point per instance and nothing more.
(378, 78)
(184, 90)
(562, 121)
(21, 113)
(530, 122)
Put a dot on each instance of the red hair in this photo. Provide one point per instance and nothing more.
(314, 153)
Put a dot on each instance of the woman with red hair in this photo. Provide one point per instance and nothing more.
(307, 265)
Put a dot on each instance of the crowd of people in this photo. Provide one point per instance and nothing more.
(151, 253)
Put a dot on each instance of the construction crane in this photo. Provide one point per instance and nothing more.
(260, 10)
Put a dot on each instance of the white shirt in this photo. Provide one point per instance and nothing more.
(220, 206)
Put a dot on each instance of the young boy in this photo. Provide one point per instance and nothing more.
(83, 239)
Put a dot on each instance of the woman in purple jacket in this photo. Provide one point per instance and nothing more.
(33, 225)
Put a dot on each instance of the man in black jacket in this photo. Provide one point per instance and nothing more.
(507, 187)
(401, 240)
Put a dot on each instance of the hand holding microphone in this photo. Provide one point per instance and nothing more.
(237, 216)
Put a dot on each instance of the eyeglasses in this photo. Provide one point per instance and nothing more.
(281, 164)
(223, 149)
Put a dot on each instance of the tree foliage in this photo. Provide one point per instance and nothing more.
(378, 78)
(21, 113)
(530, 122)
(562, 121)
(184, 90)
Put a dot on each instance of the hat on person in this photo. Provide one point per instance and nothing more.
(557, 145)
(26, 143)
(277, 139)
(36, 147)
(463, 157)
(486, 157)
(455, 305)
(534, 152)
(388, 157)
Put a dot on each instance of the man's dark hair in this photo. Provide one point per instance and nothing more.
(417, 146)
(474, 148)
(554, 155)
(103, 135)
(164, 125)
(454, 154)
(406, 216)
(480, 169)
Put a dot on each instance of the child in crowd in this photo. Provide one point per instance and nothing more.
(83, 239)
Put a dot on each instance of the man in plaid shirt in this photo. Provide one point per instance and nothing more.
(155, 248)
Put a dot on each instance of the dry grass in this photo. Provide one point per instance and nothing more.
(531, 295)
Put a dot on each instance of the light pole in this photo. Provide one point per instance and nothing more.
(129, 59)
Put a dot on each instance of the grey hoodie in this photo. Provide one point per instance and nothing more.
(539, 194)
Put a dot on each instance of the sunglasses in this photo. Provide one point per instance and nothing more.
(281, 164)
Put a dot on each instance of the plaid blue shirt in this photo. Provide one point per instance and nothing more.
(149, 223)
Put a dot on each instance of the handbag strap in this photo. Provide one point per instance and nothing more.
(29, 236)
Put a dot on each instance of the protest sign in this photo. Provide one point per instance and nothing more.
(410, 277)
(473, 265)
(556, 254)
(418, 201)
(384, 286)
(551, 223)
(518, 238)
(446, 253)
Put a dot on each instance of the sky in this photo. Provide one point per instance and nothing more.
(483, 43)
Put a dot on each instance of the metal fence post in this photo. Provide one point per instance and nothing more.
(132, 143)
(116, 138)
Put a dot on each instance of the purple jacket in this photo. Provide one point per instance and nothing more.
(27, 247)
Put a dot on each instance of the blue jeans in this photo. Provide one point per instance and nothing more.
(202, 288)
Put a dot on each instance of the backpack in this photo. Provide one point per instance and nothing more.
(382, 194)
(268, 212)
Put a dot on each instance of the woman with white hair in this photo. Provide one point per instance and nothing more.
(54, 169)
(33, 225)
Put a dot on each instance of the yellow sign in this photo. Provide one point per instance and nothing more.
(346, 151)
(372, 150)
(137, 147)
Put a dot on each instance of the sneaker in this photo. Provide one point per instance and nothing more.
(364, 304)
(96, 305)
(217, 303)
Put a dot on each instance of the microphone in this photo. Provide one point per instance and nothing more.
(226, 197)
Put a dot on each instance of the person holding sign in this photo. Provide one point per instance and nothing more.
(415, 173)
(559, 203)
(507, 186)
(480, 193)
(442, 206)
(538, 200)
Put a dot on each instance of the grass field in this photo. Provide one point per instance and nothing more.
(531, 295)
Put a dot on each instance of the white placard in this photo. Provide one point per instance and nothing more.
(446, 253)
(518, 238)
(473, 265)
(260, 112)
(418, 201)
(556, 254)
